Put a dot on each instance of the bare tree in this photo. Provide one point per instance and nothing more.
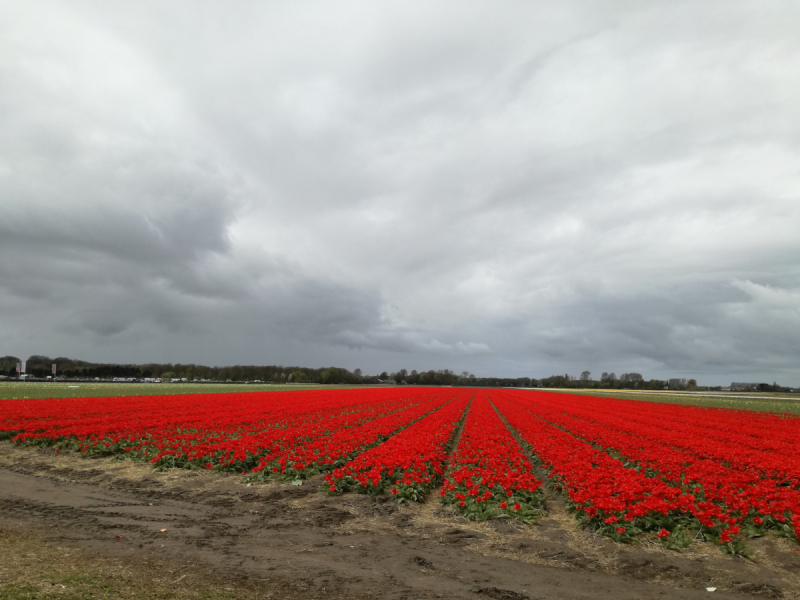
(586, 376)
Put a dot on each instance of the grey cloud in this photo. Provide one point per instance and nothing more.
(517, 190)
(697, 328)
(400, 340)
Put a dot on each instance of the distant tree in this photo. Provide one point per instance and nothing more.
(297, 376)
(384, 376)
(608, 380)
(631, 380)
(631, 377)
(677, 384)
(586, 376)
(168, 376)
(335, 375)
(556, 381)
(691, 384)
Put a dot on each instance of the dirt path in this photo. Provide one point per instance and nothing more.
(290, 541)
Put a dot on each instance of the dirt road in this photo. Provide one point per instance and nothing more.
(291, 541)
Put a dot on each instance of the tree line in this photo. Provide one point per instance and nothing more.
(632, 381)
(40, 367)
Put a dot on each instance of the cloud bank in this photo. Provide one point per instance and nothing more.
(515, 190)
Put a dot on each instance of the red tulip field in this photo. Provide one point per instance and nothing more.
(622, 468)
(402, 492)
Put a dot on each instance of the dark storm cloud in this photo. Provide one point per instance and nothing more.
(517, 189)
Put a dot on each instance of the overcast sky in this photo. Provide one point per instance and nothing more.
(512, 189)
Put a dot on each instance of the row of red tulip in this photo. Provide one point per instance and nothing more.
(628, 475)
(745, 441)
(213, 430)
(489, 474)
(327, 452)
(603, 492)
(257, 448)
(408, 464)
(624, 466)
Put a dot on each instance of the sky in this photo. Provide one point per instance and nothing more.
(513, 189)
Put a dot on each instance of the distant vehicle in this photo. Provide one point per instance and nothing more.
(26, 376)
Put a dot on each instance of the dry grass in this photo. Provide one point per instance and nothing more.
(32, 568)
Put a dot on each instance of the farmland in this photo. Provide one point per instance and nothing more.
(751, 401)
(682, 481)
(57, 389)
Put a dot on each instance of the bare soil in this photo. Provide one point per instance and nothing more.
(278, 541)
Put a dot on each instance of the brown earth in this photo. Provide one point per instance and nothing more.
(278, 540)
